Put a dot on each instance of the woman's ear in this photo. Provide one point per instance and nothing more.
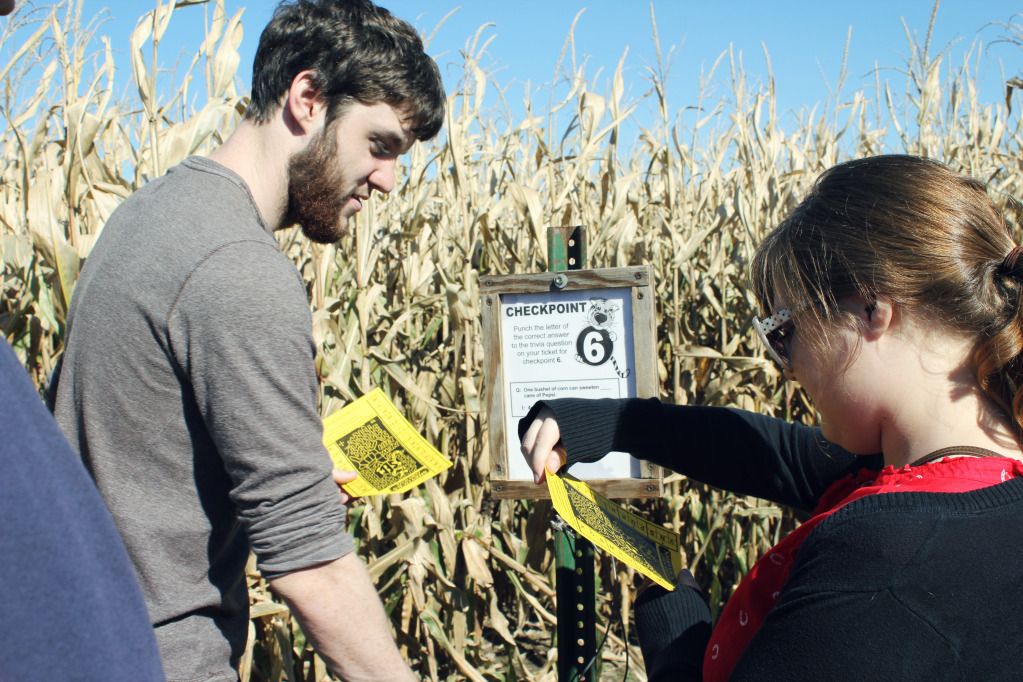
(877, 316)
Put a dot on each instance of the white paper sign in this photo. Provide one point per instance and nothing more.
(571, 344)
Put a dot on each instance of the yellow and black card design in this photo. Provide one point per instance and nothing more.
(647, 547)
(371, 437)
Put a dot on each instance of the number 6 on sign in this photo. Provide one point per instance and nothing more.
(594, 346)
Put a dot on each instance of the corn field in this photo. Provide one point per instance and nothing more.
(469, 581)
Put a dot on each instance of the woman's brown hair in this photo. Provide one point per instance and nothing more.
(913, 230)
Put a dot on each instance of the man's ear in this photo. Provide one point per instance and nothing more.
(305, 108)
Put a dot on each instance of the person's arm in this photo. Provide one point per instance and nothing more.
(72, 605)
(733, 449)
(245, 338)
(673, 629)
(339, 610)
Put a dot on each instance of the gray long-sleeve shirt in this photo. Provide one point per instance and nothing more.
(189, 387)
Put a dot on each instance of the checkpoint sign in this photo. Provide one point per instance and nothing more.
(590, 338)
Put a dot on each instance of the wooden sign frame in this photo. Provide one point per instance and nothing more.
(638, 280)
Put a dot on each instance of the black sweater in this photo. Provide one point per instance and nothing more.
(909, 586)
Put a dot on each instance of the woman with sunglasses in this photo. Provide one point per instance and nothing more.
(894, 295)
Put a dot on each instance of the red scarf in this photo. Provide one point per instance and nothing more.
(754, 598)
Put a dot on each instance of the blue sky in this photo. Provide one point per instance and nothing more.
(805, 39)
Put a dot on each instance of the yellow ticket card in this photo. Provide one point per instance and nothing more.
(647, 547)
(371, 437)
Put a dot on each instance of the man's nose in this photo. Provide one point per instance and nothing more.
(382, 178)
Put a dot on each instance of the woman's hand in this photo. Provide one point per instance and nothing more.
(541, 445)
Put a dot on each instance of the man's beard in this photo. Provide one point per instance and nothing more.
(316, 189)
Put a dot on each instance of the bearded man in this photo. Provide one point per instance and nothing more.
(188, 383)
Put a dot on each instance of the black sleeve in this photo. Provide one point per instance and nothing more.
(736, 450)
(673, 629)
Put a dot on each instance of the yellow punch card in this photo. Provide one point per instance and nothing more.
(647, 547)
(371, 437)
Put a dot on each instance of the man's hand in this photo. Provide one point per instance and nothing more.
(339, 610)
(341, 477)
(541, 445)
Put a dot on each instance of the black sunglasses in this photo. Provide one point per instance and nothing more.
(775, 332)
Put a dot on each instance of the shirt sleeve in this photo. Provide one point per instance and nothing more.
(673, 628)
(746, 453)
(72, 607)
(241, 330)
